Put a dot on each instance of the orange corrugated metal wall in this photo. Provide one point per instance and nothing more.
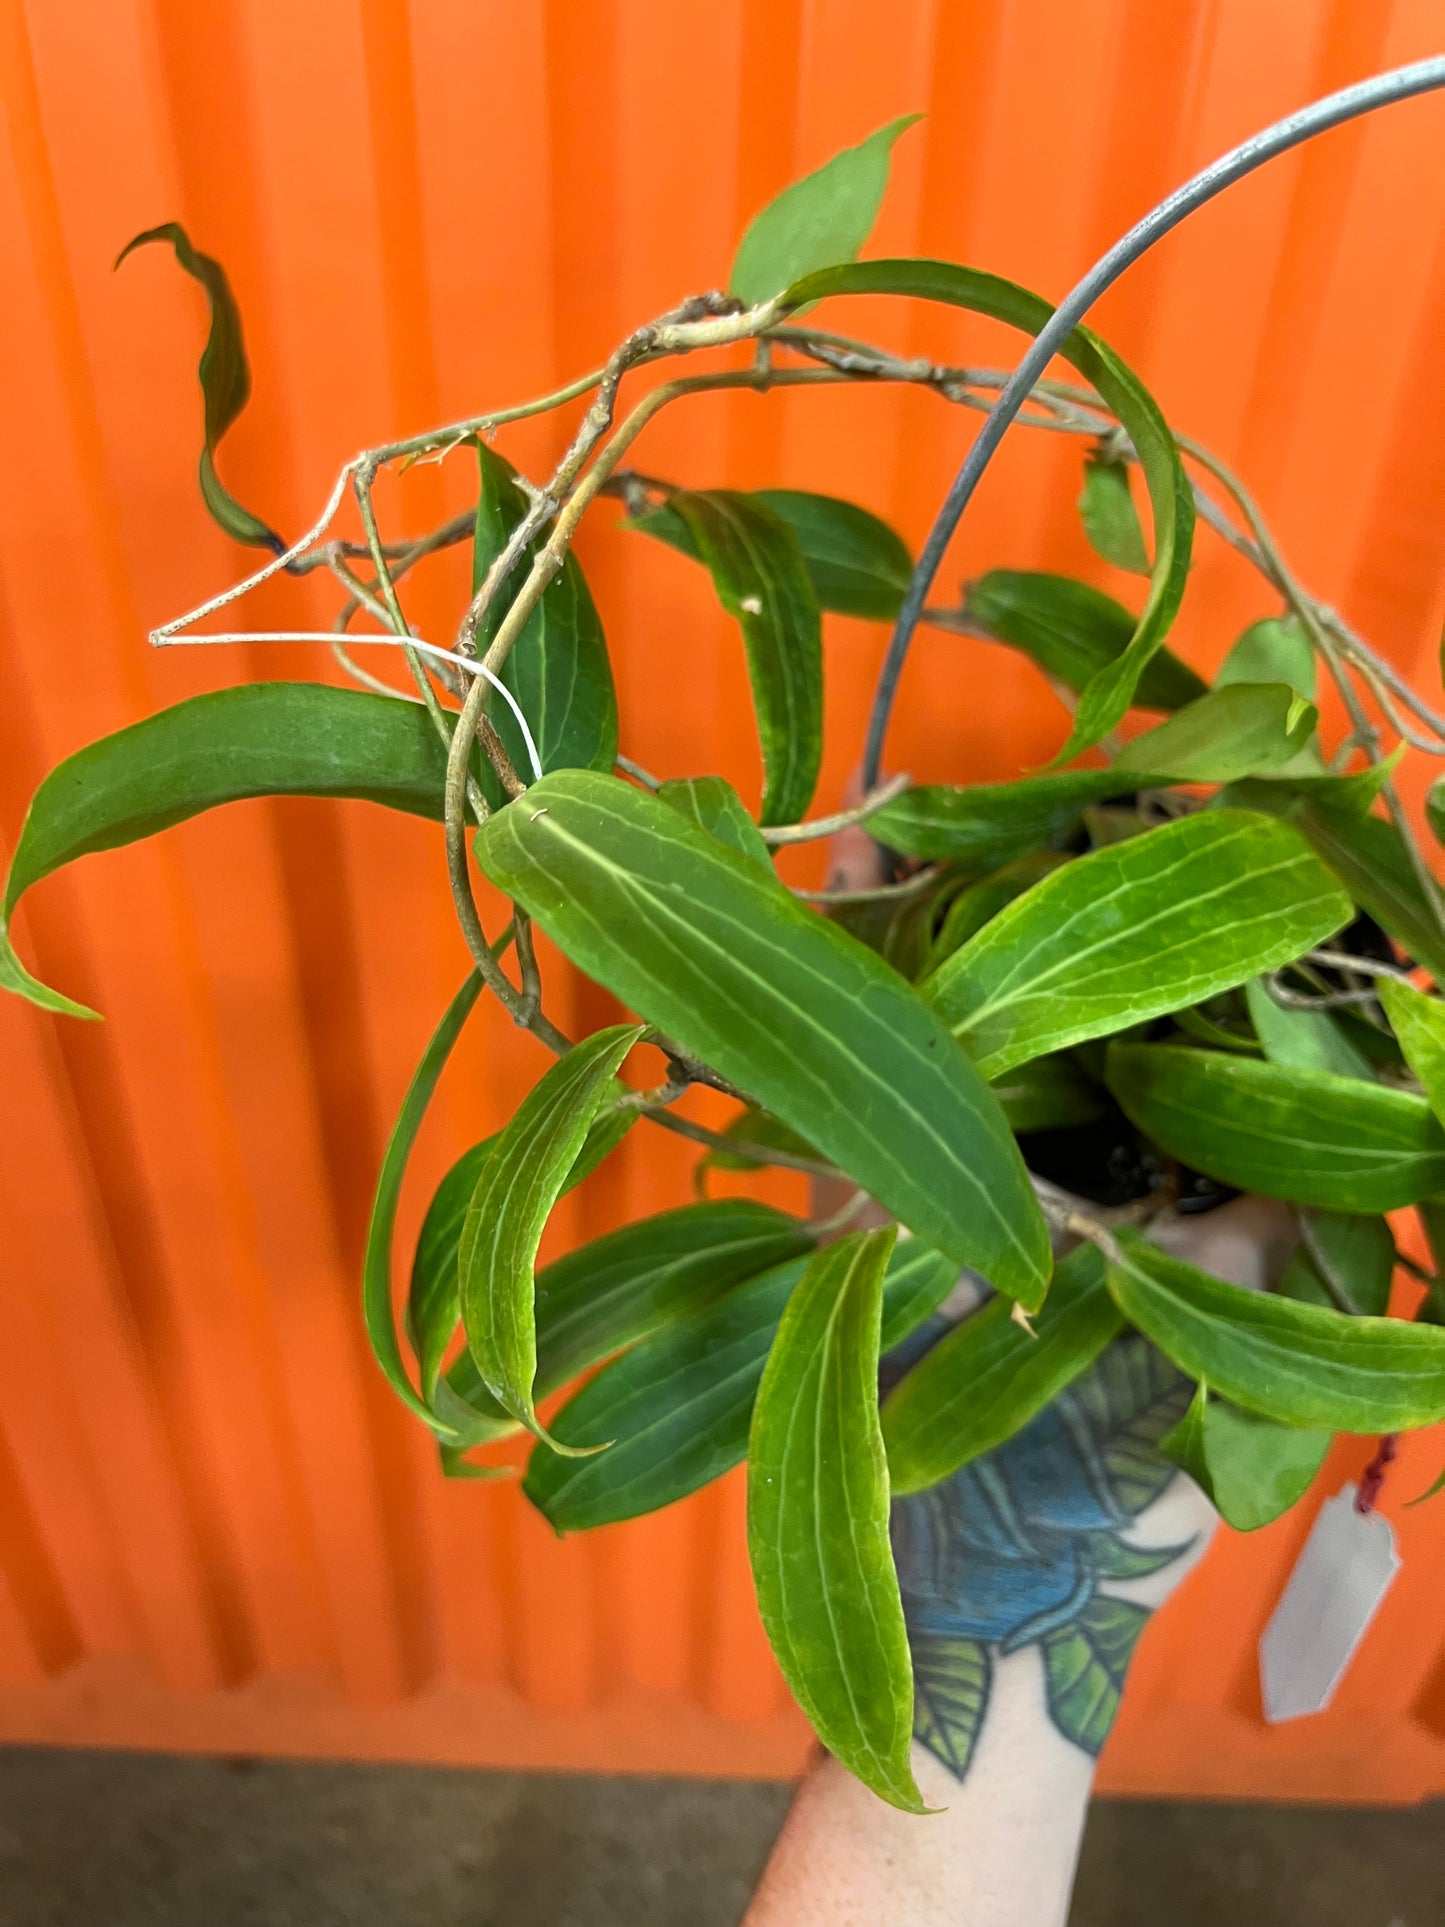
(215, 1530)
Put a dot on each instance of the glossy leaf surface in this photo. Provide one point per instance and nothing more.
(679, 1404)
(1134, 931)
(520, 1181)
(762, 581)
(984, 825)
(1109, 694)
(225, 381)
(558, 668)
(823, 218)
(266, 739)
(1072, 631)
(807, 1022)
(1306, 1136)
(1300, 1364)
(818, 1520)
(988, 1377)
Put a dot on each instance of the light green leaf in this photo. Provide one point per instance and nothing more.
(988, 1377)
(1085, 1665)
(1252, 1469)
(267, 739)
(808, 1023)
(1360, 1255)
(1300, 1364)
(1302, 1039)
(1226, 735)
(1418, 1022)
(520, 1181)
(225, 381)
(434, 1304)
(985, 825)
(1275, 650)
(1110, 693)
(1072, 631)
(376, 1267)
(818, 1520)
(715, 806)
(761, 580)
(558, 669)
(1435, 809)
(1110, 519)
(679, 1404)
(1134, 931)
(822, 219)
(858, 566)
(1306, 1136)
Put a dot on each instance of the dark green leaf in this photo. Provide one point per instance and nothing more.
(858, 566)
(981, 902)
(558, 669)
(715, 806)
(809, 1024)
(817, 221)
(757, 1127)
(988, 1377)
(1302, 1039)
(1275, 650)
(376, 1268)
(951, 1680)
(1073, 631)
(1085, 1665)
(1307, 1136)
(1370, 859)
(434, 1303)
(1110, 519)
(1301, 1364)
(520, 1181)
(1110, 693)
(679, 1404)
(758, 569)
(225, 381)
(268, 739)
(988, 824)
(1134, 931)
(818, 1520)
(1047, 1094)
(1435, 809)
(1360, 1255)
(1228, 734)
(1252, 1469)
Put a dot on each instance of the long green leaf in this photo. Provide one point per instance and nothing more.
(1110, 693)
(376, 1267)
(679, 1404)
(1228, 734)
(434, 1304)
(1300, 1364)
(1110, 519)
(268, 739)
(1307, 1136)
(1072, 631)
(1251, 1468)
(1136, 930)
(225, 381)
(1418, 1022)
(981, 902)
(520, 1181)
(823, 218)
(984, 825)
(818, 1520)
(807, 1022)
(857, 564)
(1369, 857)
(762, 581)
(558, 668)
(988, 1377)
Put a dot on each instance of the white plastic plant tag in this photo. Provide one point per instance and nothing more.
(1345, 1568)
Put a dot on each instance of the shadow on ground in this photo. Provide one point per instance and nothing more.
(133, 1840)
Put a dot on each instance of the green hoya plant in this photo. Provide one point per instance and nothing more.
(1184, 961)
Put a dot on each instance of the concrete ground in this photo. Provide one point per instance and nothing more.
(132, 1840)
